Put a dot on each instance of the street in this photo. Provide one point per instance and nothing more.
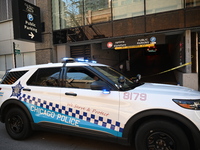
(51, 141)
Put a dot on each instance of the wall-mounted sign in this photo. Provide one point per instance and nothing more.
(26, 21)
(134, 42)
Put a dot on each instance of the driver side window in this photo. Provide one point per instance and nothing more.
(78, 77)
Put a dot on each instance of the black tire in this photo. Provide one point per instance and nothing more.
(161, 135)
(17, 124)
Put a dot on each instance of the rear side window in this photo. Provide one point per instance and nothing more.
(45, 77)
(12, 77)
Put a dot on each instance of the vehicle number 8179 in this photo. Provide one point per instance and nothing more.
(135, 96)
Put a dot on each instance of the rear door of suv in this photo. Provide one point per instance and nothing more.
(42, 96)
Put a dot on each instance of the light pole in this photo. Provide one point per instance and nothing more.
(15, 64)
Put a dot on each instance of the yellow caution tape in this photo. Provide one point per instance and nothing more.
(175, 68)
(166, 70)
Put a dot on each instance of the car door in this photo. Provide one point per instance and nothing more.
(86, 108)
(42, 96)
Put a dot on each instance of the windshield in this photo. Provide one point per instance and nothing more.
(114, 75)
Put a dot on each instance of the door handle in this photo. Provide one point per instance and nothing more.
(26, 89)
(71, 94)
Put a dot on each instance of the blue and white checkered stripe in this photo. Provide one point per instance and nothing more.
(95, 119)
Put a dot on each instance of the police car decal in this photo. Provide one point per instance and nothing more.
(1, 93)
(42, 109)
(16, 90)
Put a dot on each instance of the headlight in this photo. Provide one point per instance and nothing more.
(188, 104)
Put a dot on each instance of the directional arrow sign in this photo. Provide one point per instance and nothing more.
(31, 35)
(26, 21)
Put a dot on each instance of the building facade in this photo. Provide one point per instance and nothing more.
(146, 37)
(25, 51)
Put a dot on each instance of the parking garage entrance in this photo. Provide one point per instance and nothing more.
(150, 62)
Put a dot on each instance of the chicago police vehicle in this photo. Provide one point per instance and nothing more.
(94, 100)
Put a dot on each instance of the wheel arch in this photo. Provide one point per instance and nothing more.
(185, 124)
(11, 103)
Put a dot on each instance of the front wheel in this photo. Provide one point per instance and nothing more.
(161, 135)
(17, 124)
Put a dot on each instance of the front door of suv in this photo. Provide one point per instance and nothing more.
(88, 109)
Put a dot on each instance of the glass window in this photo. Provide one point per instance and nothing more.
(156, 6)
(71, 13)
(114, 76)
(45, 77)
(12, 77)
(78, 77)
(127, 8)
(55, 14)
(192, 3)
(6, 9)
(97, 11)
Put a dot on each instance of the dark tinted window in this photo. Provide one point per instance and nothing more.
(45, 77)
(12, 77)
(78, 77)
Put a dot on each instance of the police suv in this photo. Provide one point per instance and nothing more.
(94, 100)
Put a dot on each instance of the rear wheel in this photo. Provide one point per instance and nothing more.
(17, 124)
(161, 135)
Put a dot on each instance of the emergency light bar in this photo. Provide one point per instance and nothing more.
(71, 60)
(67, 60)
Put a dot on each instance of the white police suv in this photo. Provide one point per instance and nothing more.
(94, 100)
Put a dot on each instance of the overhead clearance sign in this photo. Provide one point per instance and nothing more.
(134, 42)
(26, 21)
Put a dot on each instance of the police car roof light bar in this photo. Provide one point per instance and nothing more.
(68, 60)
(71, 60)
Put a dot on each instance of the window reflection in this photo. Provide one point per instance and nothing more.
(127, 8)
(71, 13)
(97, 11)
(77, 13)
(156, 6)
(76, 34)
(55, 14)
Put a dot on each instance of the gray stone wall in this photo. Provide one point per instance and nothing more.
(45, 50)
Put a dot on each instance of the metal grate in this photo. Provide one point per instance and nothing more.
(81, 51)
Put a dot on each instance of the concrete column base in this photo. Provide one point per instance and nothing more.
(188, 80)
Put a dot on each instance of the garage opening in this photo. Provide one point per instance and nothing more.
(150, 62)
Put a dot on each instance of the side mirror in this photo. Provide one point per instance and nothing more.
(99, 85)
(138, 77)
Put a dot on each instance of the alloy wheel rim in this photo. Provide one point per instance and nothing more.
(16, 124)
(160, 141)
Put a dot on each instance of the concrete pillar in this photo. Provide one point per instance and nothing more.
(197, 52)
(45, 51)
(189, 79)
(68, 51)
(188, 50)
(62, 51)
